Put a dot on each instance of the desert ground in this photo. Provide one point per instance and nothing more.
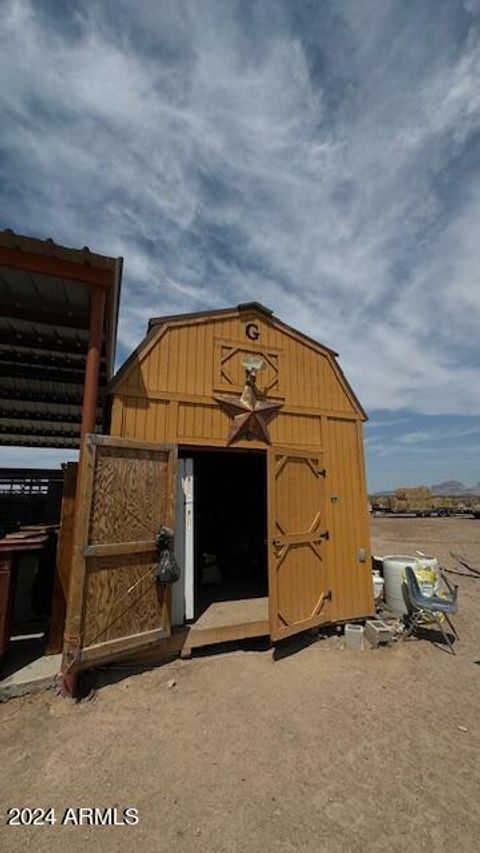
(321, 749)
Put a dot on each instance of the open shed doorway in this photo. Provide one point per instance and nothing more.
(229, 539)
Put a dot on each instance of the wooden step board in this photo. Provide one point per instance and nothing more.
(224, 621)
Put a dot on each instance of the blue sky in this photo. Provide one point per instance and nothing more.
(320, 157)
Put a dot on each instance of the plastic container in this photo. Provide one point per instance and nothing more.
(378, 585)
(353, 636)
(426, 572)
(396, 595)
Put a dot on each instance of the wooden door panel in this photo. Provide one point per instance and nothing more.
(127, 495)
(298, 566)
(122, 598)
(126, 482)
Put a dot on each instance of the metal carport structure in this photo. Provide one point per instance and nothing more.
(58, 323)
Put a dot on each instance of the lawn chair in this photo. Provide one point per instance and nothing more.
(433, 606)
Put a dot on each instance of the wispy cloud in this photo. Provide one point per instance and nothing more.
(387, 424)
(435, 435)
(323, 158)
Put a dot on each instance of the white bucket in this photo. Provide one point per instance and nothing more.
(425, 569)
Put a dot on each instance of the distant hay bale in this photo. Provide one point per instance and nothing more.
(414, 493)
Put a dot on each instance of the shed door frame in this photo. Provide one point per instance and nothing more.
(183, 591)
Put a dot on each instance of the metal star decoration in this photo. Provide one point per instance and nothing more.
(250, 413)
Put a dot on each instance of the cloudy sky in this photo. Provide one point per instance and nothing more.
(319, 156)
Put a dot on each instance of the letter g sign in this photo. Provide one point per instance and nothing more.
(252, 331)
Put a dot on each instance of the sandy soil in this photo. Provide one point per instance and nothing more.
(322, 750)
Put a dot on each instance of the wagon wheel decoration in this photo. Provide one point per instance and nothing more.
(251, 414)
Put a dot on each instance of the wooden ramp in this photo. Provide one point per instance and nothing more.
(229, 620)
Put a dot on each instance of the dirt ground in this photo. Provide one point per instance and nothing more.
(323, 749)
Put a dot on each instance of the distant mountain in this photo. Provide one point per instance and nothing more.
(455, 487)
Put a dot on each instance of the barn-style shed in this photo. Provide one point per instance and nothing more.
(242, 434)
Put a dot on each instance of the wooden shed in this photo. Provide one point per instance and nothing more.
(242, 434)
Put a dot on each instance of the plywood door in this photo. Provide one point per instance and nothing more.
(127, 493)
(299, 591)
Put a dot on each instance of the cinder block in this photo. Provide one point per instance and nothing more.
(378, 633)
(353, 636)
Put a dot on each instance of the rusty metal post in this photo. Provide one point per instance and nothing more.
(72, 638)
(92, 367)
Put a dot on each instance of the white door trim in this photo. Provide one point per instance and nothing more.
(183, 603)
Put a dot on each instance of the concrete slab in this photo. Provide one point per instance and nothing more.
(37, 675)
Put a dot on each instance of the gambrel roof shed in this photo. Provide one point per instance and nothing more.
(268, 502)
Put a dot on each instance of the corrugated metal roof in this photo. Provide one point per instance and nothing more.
(44, 322)
(48, 248)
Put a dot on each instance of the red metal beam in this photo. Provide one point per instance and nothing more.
(92, 367)
(72, 637)
(47, 265)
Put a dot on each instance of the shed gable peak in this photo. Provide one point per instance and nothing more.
(242, 308)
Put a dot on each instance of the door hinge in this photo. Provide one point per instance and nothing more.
(321, 472)
(325, 535)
